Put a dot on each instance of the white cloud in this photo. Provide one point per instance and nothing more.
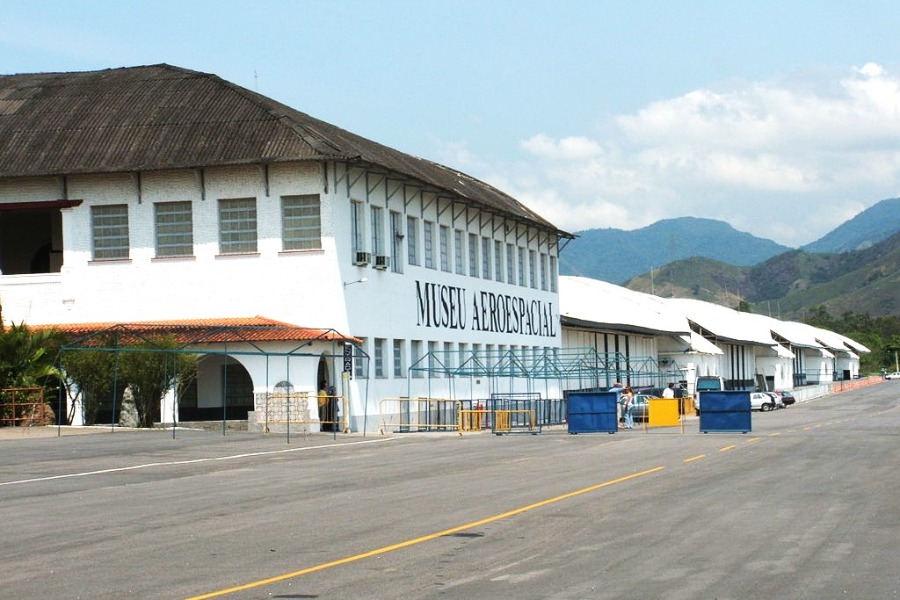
(788, 159)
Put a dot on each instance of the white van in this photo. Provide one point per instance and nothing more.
(707, 383)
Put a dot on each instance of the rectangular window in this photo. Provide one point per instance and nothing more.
(545, 283)
(396, 242)
(521, 253)
(432, 360)
(301, 223)
(174, 229)
(237, 226)
(511, 263)
(379, 357)
(428, 241)
(412, 240)
(463, 352)
(378, 248)
(415, 358)
(498, 260)
(473, 254)
(109, 231)
(459, 250)
(532, 268)
(357, 227)
(360, 361)
(447, 357)
(554, 275)
(486, 258)
(399, 370)
(445, 248)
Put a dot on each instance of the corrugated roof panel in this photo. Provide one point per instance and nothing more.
(163, 117)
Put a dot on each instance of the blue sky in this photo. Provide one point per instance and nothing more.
(781, 118)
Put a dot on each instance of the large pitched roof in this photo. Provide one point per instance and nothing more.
(165, 117)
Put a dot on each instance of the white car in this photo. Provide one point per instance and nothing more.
(761, 401)
(894, 375)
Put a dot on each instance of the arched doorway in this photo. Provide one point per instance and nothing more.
(327, 401)
(223, 388)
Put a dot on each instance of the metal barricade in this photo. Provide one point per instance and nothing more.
(409, 415)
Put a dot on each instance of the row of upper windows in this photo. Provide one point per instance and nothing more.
(473, 255)
(301, 227)
(437, 360)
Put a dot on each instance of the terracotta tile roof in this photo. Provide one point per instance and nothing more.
(165, 117)
(204, 331)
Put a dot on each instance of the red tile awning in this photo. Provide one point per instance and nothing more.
(204, 331)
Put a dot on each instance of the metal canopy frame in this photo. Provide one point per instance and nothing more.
(581, 364)
(128, 337)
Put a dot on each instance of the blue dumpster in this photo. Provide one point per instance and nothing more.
(725, 411)
(592, 412)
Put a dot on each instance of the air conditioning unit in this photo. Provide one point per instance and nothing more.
(362, 259)
(382, 262)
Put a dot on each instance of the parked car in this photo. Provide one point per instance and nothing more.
(894, 375)
(641, 403)
(761, 401)
(779, 403)
(786, 397)
(653, 392)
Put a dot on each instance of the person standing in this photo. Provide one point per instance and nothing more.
(669, 392)
(628, 407)
(617, 387)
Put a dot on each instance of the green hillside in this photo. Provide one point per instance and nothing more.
(790, 284)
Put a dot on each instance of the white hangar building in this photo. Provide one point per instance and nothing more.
(650, 341)
(162, 198)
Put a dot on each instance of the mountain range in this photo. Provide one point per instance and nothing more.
(855, 267)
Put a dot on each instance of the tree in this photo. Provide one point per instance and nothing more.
(151, 368)
(27, 361)
(91, 376)
(27, 357)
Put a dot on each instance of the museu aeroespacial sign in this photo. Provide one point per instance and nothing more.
(454, 307)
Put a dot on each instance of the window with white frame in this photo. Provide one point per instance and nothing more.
(412, 240)
(473, 254)
(378, 248)
(554, 275)
(459, 251)
(532, 268)
(510, 263)
(486, 257)
(415, 358)
(444, 242)
(432, 360)
(463, 352)
(109, 231)
(360, 360)
(396, 242)
(498, 260)
(448, 355)
(521, 253)
(399, 368)
(545, 283)
(428, 243)
(237, 225)
(379, 357)
(357, 227)
(301, 223)
(174, 228)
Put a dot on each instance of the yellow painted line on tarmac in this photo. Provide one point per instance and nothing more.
(693, 458)
(774, 433)
(754, 439)
(727, 448)
(419, 540)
